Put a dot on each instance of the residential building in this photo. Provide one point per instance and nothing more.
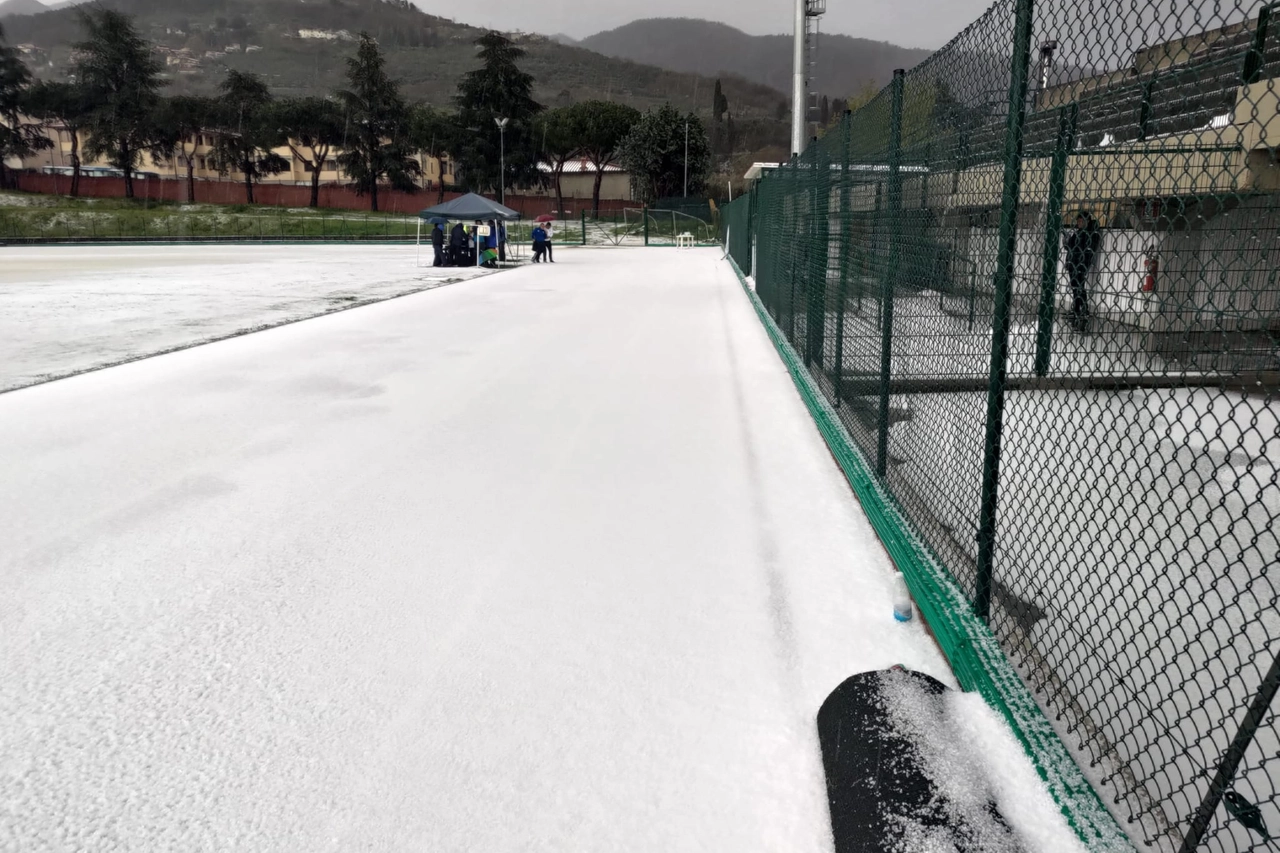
(299, 172)
(326, 35)
(758, 171)
(578, 180)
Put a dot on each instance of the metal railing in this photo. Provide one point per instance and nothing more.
(1041, 289)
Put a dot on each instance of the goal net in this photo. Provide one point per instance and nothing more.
(664, 226)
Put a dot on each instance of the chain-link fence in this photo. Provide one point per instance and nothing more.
(57, 220)
(1038, 278)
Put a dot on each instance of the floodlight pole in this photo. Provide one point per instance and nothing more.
(799, 97)
(502, 158)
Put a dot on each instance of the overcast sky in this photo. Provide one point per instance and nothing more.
(910, 23)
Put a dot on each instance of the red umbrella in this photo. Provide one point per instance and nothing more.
(546, 217)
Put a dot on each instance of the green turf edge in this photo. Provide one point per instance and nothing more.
(37, 242)
(972, 650)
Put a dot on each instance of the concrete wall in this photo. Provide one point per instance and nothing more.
(1220, 275)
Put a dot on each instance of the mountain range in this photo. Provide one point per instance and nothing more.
(32, 7)
(300, 47)
(844, 65)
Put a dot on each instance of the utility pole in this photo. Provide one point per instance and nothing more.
(502, 159)
(686, 157)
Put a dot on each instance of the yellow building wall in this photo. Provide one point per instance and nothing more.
(206, 169)
(616, 186)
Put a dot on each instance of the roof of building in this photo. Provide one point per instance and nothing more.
(757, 170)
(1168, 89)
(579, 166)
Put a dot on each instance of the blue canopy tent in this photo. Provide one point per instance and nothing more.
(471, 207)
(467, 208)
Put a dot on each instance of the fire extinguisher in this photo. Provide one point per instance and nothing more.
(1151, 269)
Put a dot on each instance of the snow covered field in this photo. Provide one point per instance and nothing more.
(555, 561)
(66, 309)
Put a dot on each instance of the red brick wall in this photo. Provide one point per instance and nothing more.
(331, 196)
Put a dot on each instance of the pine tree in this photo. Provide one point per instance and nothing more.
(377, 118)
(313, 127)
(121, 76)
(62, 108)
(560, 141)
(433, 134)
(246, 130)
(719, 133)
(654, 154)
(496, 90)
(17, 138)
(602, 126)
(183, 121)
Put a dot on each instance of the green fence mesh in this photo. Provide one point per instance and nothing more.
(1037, 278)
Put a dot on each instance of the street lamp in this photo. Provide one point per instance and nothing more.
(502, 162)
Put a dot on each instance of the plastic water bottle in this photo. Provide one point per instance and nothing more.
(902, 609)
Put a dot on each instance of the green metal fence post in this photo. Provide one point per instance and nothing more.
(889, 282)
(645, 214)
(584, 227)
(1256, 58)
(820, 243)
(1053, 234)
(875, 225)
(1144, 111)
(1230, 762)
(973, 293)
(1005, 253)
(842, 292)
(793, 268)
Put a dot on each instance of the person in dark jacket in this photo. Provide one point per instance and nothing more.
(437, 243)
(457, 244)
(539, 243)
(1082, 247)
